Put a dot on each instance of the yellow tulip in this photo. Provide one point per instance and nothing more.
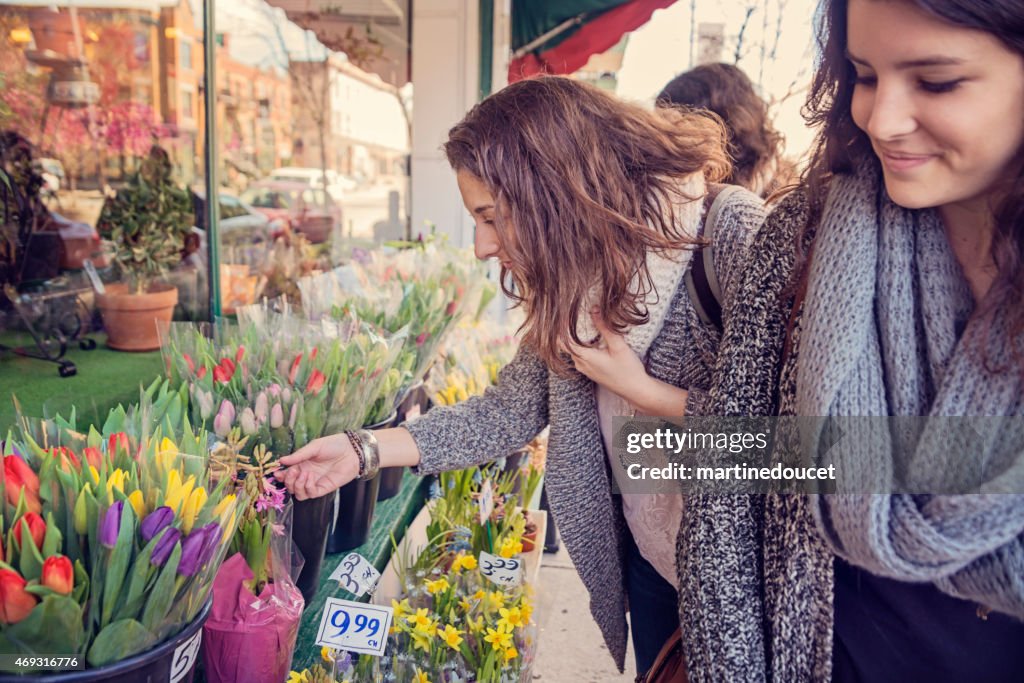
(168, 446)
(95, 475)
(225, 502)
(166, 456)
(177, 492)
(115, 480)
(195, 503)
(439, 399)
(461, 395)
(135, 498)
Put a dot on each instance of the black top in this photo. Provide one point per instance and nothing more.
(887, 630)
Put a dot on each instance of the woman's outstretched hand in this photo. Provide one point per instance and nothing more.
(319, 467)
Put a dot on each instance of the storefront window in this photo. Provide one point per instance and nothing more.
(100, 104)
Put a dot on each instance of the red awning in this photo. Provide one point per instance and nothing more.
(594, 36)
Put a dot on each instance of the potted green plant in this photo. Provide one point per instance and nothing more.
(147, 222)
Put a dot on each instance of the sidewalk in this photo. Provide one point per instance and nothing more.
(571, 649)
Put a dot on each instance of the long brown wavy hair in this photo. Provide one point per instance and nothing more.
(754, 144)
(584, 187)
(842, 147)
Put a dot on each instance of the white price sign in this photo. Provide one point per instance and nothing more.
(355, 626)
(486, 501)
(356, 575)
(503, 571)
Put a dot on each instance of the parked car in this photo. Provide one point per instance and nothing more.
(240, 224)
(337, 183)
(306, 209)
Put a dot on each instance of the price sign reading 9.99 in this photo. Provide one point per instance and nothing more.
(503, 571)
(354, 626)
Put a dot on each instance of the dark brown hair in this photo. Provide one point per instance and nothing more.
(754, 145)
(841, 146)
(584, 186)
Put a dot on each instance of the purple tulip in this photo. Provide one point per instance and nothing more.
(164, 547)
(213, 536)
(155, 522)
(192, 549)
(111, 524)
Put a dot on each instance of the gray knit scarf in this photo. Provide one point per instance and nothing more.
(885, 329)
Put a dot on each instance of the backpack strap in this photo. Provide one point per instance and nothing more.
(701, 280)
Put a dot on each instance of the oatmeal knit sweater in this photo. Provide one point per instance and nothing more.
(528, 397)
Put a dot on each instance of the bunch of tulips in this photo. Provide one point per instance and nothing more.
(111, 535)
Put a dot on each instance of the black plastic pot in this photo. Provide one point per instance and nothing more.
(414, 403)
(311, 525)
(390, 477)
(356, 501)
(173, 660)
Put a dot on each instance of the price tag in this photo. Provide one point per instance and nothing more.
(355, 626)
(502, 571)
(356, 575)
(486, 501)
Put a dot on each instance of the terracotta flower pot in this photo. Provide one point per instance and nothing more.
(131, 319)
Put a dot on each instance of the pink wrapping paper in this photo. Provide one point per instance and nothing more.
(249, 639)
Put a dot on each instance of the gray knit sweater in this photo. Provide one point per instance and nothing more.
(529, 397)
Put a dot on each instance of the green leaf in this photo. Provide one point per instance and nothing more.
(117, 569)
(31, 562)
(162, 595)
(53, 627)
(141, 573)
(53, 541)
(119, 640)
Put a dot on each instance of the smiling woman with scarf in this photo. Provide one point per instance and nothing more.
(890, 284)
(592, 206)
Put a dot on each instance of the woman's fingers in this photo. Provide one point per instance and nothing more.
(308, 451)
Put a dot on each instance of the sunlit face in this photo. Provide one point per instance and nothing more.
(481, 206)
(942, 105)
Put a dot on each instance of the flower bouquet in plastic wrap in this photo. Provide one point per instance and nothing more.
(111, 535)
(250, 634)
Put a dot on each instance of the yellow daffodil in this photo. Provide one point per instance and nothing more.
(419, 619)
(513, 617)
(526, 611)
(510, 654)
(178, 492)
(327, 654)
(499, 638)
(476, 625)
(511, 547)
(451, 636)
(479, 595)
(401, 608)
(435, 587)
(298, 677)
(138, 504)
(420, 641)
(495, 601)
(463, 561)
(466, 605)
(420, 677)
(195, 503)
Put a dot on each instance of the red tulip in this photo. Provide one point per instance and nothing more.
(316, 382)
(189, 362)
(295, 369)
(228, 365)
(18, 477)
(221, 375)
(312, 354)
(117, 441)
(15, 602)
(36, 527)
(450, 308)
(66, 456)
(201, 373)
(58, 574)
(93, 456)
(239, 354)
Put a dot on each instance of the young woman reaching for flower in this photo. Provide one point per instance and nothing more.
(592, 206)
